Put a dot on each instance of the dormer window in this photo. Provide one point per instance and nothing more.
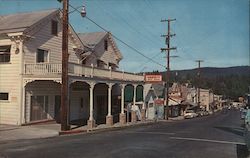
(100, 63)
(5, 54)
(106, 44)
(54, 27)
(84, 62)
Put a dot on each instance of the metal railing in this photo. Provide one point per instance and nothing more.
(80, 70)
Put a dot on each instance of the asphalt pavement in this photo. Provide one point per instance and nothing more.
(215, 136)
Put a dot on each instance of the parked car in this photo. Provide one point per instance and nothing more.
(190, 114)
(205, 113)
(200, 113)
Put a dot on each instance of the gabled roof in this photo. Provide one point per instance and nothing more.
(24, 22)
(20, 21)
(93, 38)
(159, 90)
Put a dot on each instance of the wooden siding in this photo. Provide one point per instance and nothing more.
(44, 40)
(108, 56)
(10, 82)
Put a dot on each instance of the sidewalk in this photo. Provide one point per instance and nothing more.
(47, 130)
(177, 118)
(10, 132)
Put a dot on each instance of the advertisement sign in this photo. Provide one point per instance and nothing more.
(159, 101)
(153, 78)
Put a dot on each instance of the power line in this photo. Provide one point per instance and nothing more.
(149, 60)
(132, 48)
(123, 20)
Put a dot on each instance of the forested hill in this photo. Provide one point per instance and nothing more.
(211, 72)
(231, 81)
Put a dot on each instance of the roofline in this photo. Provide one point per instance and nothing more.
(74, 32)
(13, 28)
(25, 28)
(115, 45)
(93, 32)
(33, 11)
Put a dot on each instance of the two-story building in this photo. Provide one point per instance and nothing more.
(31, 69)
(206, 99)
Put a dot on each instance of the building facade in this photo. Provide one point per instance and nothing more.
(31, 69)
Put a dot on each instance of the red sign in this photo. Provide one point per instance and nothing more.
(153, 78)
(159, 101)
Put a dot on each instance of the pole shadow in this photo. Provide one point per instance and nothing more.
(242, 151)
(234, 130)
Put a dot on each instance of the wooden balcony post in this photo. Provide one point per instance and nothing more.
(110, 72)
(92, 70)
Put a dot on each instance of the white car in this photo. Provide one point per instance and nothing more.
(190, 114)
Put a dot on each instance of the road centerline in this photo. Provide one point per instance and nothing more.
(153, 133)
(207, 140)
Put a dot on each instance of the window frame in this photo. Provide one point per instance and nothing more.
(54, 27)
(106, 45)
(4, 53)
(8, 97)
(48, 54)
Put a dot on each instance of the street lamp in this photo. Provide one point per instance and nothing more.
(83, 11)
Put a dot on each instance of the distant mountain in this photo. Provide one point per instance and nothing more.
(231, 82)
(211, 72)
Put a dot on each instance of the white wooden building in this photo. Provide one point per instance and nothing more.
(30, 71)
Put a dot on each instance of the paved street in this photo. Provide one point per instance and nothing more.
(215, 136)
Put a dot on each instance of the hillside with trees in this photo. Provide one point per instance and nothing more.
(230, 82)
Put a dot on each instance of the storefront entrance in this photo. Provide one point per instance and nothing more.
(39, 108)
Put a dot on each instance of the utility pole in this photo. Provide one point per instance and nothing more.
(198, 84)
(168, 49)
(65, 57)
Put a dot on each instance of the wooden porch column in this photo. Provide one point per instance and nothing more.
(91, 121)
(143, 110)
(109, 117)
(122, 118)
(133, 113)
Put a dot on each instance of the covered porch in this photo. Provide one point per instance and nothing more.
(96, 96)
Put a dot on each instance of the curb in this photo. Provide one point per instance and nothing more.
(71, 132)
(112, 128)
(37, 122)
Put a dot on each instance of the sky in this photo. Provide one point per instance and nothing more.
(216, 31)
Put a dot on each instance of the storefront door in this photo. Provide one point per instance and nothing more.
(39, 108)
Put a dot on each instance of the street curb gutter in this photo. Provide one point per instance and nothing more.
(37, 122)
(111, 128)
(71, 132)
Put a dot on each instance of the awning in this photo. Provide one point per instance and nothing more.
(82, 54)
(113, 64)
(101, 61)
(192, 105)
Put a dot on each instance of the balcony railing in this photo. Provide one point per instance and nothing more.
(80, 70)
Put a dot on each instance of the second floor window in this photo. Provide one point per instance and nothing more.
(5, 54)
(54, 27)
(42, 56)
(106, 44)
(4, 96)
